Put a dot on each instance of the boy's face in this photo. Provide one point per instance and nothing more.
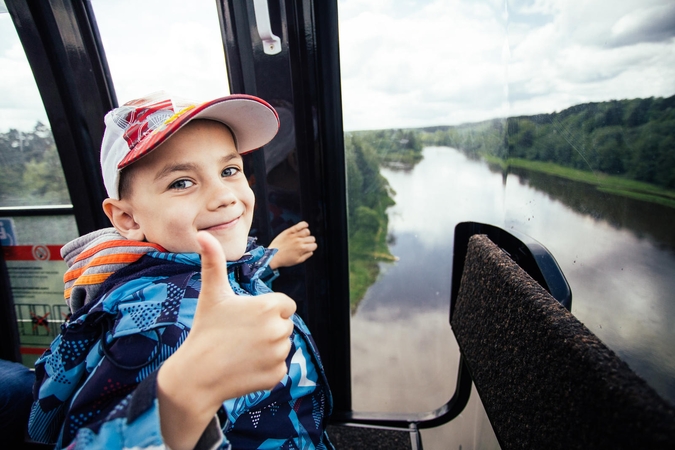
(194, 181)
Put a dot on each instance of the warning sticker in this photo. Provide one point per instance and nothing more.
(36, 277)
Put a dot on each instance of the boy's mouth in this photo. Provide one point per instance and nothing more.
(223, 225)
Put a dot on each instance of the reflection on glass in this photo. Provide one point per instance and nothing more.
(169, 45)
(524, 115)
(30, 169)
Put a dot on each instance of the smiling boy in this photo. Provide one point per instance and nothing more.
(166, 349)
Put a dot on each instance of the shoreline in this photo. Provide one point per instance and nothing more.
(611, 184)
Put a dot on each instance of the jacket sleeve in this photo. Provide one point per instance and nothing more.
(268, 276)
(135, 423)
(97, 412)
(96, 386)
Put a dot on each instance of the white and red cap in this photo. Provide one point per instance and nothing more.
(140, 126)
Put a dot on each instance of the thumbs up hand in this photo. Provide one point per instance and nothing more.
(248, 336)
(237, 345)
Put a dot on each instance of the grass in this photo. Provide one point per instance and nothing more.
(612, 184)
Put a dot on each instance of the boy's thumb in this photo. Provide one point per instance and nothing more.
(215, 284)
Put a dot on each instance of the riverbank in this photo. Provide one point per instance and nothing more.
(611, 184)
(369, 195)
(366, 251)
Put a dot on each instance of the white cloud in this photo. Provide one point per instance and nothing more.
(402, 70)
(570, 60)
(20, 104)
(404, 63)
(167, 45)
(448, 62)
(648, 24)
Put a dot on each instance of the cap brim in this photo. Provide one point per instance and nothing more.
(253, 122)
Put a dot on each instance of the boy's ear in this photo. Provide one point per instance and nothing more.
(121, 215)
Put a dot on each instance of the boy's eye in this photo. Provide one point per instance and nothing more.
(230, 171)
(181, 184)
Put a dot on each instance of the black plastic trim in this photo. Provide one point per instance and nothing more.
(528, 253)
(304, 78)
(29, 211)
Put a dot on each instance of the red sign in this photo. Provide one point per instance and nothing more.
(32, 253)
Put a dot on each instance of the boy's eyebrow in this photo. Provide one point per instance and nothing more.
(229, 157)
(188, 166)
(170, 168)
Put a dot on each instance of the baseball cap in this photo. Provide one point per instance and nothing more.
(136, 128)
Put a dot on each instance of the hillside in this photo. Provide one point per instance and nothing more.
(633, 139)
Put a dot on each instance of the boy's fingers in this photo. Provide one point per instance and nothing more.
(214, 267)
(299, 226)
(286, 307)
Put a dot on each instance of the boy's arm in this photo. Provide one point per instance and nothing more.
(236, 346)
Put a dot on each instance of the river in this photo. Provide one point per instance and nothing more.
(617, 254)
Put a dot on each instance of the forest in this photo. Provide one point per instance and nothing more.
(633, 139)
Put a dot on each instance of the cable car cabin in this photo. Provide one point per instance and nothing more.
(438, 151)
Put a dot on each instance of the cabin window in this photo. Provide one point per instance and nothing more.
(30, 169)
(31, 184)
(530, 117)
(31, 176)
(405, 195)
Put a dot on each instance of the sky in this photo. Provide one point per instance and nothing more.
(404, 63)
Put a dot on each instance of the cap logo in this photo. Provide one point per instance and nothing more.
(178, 114)
(142, 122)
(139, 122)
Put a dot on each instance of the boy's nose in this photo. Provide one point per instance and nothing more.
(220, 195)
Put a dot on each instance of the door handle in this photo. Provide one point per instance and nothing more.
(271, 42)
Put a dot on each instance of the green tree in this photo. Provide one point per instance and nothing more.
(369, 195)
(30, 169)
(43, 180)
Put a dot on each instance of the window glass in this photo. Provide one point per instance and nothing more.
(526, 115)
(170, 45)
(30, 169)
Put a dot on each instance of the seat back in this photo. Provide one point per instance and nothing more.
(545, 380)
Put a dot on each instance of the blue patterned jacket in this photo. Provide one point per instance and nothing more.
(96, 385)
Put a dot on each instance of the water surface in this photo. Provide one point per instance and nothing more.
(618, 255)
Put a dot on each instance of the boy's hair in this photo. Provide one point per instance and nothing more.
(124, 183)
(139, 126)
